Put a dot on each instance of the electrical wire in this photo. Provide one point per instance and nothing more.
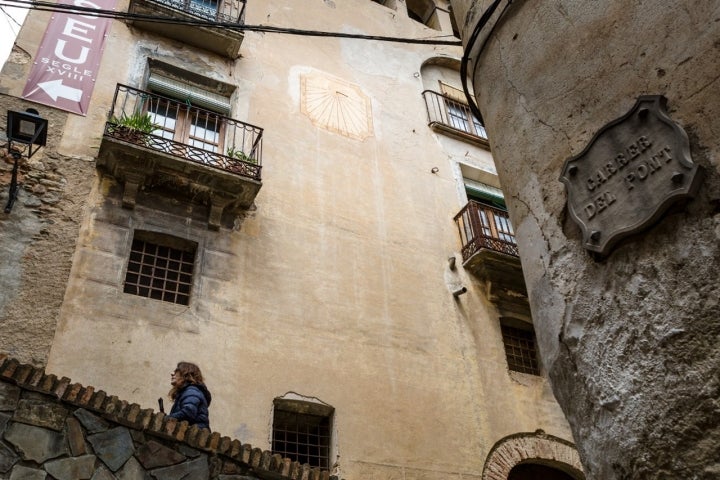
(54, 7)
(9, 17)
(484, 19)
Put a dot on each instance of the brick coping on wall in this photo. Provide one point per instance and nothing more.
(263, 463)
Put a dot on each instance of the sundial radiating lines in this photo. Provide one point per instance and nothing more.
(336, 105)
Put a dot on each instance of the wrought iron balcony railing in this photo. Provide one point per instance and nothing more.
(226, 11)
(176, 128)
(445, 111)
(482, 226)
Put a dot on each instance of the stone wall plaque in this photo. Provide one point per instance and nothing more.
(632, 170)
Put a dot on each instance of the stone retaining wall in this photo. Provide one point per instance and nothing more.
(52, 428)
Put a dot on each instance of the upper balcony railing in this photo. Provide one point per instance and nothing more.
(178, 129)
(445, 111)
(226, 11)
(482, 226)
(202, 16)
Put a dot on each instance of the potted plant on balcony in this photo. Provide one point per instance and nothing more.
(238, 154)
(134, 128)
(240, 167)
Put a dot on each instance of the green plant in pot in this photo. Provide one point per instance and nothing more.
(238, 154)
(134, 127)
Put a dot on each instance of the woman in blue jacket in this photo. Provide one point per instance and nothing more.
(190, 396)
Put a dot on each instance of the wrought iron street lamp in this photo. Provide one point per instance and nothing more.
(24, 128)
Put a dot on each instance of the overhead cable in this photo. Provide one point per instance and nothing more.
(55, 7)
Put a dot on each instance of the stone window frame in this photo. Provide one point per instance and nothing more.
(304, 408)
(169, 240)
(520, 357)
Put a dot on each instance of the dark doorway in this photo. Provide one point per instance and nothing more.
(533, 471)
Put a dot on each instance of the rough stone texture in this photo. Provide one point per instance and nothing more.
(38, 239)
(113, 446)
(92, 423)
(36, 444)
(9, 396)
(630, 341)
(132, 470)
(153, 455)
(102, 473)
(41, 414)
(4, 419)
(8, 458)
(76, 439)
(197, 468)
(74, 468)
(25, 473)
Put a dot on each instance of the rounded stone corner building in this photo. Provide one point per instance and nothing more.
(603, 119)
(316, 221)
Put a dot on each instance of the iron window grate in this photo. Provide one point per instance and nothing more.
(159, 272)
(302, 437)
(520, 350)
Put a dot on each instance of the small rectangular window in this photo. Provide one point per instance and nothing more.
(162, 270)
(301, 432)
(520, 349)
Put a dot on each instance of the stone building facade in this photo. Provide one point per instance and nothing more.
(628, 333)
(316, 221)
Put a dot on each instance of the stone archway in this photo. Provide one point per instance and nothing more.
(538, 448)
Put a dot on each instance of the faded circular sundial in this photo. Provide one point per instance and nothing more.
(336, 105)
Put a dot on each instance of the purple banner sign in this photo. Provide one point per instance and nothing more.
(63, 75)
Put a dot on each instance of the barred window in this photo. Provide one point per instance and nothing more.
(520, 349)
(160, 267)
(301, 431)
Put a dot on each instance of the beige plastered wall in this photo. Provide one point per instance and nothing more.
(335, 285)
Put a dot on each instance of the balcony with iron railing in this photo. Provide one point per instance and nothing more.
(485, 227)
(150, 139)
(453, 117)
(489, 251)
(190, 17)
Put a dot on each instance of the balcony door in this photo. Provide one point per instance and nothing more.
(187, 116)
(186, 125)
(494, 221)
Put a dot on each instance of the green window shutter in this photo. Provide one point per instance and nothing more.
(484, 193)
(188, 93)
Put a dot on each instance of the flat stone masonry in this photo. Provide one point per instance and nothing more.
(51, 428)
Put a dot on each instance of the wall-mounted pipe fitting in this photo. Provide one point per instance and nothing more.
(459, 291)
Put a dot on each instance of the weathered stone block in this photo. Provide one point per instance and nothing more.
(4, 419)
(113, 447)
(35, 443)
(8, 458)
(9, 397)
(25, 473)
(188, 452)
(76, 439)
(41, 413)
(102, 473)
(154, 455)
(197, 468)
(92, 423)
(132, 470)
(73, 468)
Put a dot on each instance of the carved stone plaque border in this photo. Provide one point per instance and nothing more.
(629, 174)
